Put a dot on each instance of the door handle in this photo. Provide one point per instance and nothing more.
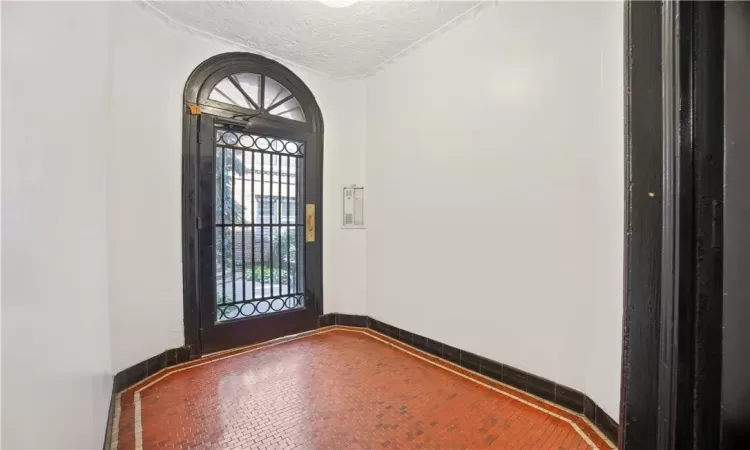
(310, 222)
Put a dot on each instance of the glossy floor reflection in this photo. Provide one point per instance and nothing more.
(338, 388)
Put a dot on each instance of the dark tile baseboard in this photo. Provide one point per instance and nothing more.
(133, 374)
(548, 390)
(138, 372)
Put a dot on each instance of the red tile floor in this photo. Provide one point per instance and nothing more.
(337, 388)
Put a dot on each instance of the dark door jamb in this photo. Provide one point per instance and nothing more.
(673, 247)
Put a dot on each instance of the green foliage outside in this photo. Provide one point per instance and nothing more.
(231, 164)
(266, 275)
(284, 257)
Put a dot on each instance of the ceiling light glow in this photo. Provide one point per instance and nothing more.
(338, 3)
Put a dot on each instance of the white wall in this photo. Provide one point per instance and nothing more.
(603, 337)
(151, 64)
(57, 375)
(495, 171)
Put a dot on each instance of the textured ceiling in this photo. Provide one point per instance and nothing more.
(341, 42)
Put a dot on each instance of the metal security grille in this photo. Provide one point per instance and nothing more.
(259, 224)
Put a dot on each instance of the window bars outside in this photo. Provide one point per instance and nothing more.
(258, 184)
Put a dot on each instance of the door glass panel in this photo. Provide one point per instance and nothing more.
(259, 225)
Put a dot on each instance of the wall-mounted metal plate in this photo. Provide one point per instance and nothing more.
(310, 222)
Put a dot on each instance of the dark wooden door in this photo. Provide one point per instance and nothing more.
(258, 243)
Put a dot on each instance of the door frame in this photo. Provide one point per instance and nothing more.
(203, 75)
(671, 360)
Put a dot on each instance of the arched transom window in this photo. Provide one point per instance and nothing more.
(257, 93)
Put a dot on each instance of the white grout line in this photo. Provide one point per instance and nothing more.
(372, 334)
(138, 424)
(598, 432)
(115, 437)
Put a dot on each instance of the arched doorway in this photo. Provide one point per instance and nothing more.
(252, 198)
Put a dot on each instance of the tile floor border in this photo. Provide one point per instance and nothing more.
(553, 393)
(442, 363)
(492, 380)
(577, 429)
